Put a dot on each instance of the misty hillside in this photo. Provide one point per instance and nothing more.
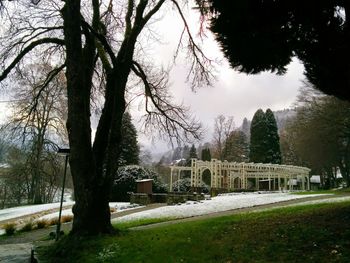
(281, 116)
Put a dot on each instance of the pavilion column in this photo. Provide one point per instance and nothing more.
(285, 183)
(303, 182)
(171, 180)
(308, 182)
(279, 183)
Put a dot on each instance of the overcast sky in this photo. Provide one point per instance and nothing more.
(233, 94)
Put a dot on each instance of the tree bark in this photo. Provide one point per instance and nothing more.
(91, 209)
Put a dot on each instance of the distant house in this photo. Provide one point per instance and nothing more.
(315, 182)
(144, 186)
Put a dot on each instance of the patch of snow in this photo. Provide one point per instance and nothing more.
(14, 212)
(119, 206)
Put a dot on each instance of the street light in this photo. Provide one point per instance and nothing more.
(64, 152)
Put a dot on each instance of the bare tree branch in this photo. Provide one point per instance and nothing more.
(200, 62)
(170, 118)
(26, 50)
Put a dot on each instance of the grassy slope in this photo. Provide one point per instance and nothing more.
(341, 191)
(317, 233)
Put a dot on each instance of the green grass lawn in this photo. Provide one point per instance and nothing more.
(333, 191)
(317, 233)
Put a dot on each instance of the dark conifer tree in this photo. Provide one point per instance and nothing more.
(206, 155)
(273, 154)
(129, 152)
(260, 36)
(193, 152)
(258, 138)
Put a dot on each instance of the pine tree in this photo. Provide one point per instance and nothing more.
(206, 155)
(193, 152)
(129, 147)
(264, 138)
(273, 154)
(258, 138)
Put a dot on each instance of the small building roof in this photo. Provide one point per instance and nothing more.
(143, 180)
(315, 179)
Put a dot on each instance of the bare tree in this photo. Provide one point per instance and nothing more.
(38, 121)
(223, 126)
(95, 41)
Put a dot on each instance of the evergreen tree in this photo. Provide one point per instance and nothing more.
(258, 36)
(236, 147)
(258, 138)
(129, 152)
(193, 152)
(206, 155)
(273, 154)
(264, 139)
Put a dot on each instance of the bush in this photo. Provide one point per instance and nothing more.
(125, 181)
(66, 218)
(42, 223)
(184, 185)
(27, 226)
(53, 221)
(10, 229)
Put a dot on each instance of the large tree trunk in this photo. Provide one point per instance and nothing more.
(93, 167)
(91, 209)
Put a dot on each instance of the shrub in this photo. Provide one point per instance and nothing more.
(42, 223)
(125, 181)
(53, 221)
(10, 228)
(66, 218)
(112, 209)
(184, 185)
(27, 226)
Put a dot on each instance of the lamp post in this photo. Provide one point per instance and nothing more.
(64, 152)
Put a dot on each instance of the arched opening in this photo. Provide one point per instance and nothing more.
(206, 181)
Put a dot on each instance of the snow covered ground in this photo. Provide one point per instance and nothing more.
(10, 213)
(217, 204)
(119, 206)
(15, 212)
